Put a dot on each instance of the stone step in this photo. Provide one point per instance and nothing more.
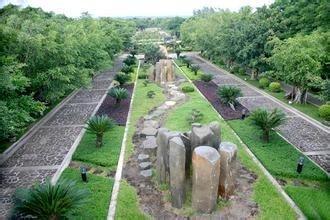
(145, 165)
(146, 173)
(149, 143)
(143, 157)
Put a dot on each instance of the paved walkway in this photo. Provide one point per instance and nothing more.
(307, 134)
(43, 153)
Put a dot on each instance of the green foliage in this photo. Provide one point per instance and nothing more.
(194, 68)
(187, 89)
(229, 94)
(187, 61)
(47, 201)
(151, 94)
(152, 53)
(267, 121)
(130, 60)
(195, 116)
(275, 87)
(264, 83)
(324, 111)
(146, 82)
(122, 78)
(127, 69)
(98, 125)
(143, 76)
(118, 94)
(207, 77)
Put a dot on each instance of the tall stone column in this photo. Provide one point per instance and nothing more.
(216, 138)
(228, 170)
(206, 172)
(177, 161)
(200, 136)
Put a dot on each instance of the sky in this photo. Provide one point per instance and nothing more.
(133, 8)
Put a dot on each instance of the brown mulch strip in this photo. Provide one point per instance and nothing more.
(117, 113)
(209, 90)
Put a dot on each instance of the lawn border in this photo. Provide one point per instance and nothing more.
(292, 204)
(116, 185)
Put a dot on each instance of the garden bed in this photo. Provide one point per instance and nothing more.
(209, 90)
(117, 112)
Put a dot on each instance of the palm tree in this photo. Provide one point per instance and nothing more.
(47, 201)
(195, 69)
(229, 94)
(267, 121)
(119, 94)
(98, 125)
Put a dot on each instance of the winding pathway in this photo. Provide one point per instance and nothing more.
(308, 135)
(46, 149)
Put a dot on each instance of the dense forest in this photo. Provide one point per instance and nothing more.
(44, 56)
(288, 41)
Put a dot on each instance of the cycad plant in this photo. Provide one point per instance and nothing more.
(229, 94)
(267, 120)
(195, 69)
(118, 94)
(98, 125)
(47, 201)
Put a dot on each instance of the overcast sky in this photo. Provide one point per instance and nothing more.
(125, 8)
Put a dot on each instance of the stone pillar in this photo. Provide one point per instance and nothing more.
(205, 182)
(228, 172)
(216, 139)
(185, 137)
(177, 159)
(163, 138)
(200, 135)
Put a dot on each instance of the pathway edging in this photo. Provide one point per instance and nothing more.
(255, 159)
(116, 185)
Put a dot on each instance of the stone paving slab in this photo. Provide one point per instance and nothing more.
(252, 103)
(225, 80)
(87, 96)
(104, 84)
(304, 135)
(248, 91)
(105, 76)
(72, 115)
(47, 147)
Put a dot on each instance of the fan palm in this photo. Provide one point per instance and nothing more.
(98, 125)
(267, 121)
(119, 94)
(229, 94)
(47, 201)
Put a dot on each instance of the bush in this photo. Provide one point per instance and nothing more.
(143, 76)
(130, 60)
(98, 125)
(235, 69)
(229, 94)
(187, 89)
(151, 94)
(195, 116)
(118, 94)
(275, 87)
(264, 83)
(122, 78)
(146, 82)
(195, 68)
(127, 69)
(207, 77)
(324, 112)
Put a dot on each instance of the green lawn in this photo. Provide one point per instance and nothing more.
(278, 156)
(107, 155)
(190, 74)
(100, 189)
(314, 202)
(264, 191)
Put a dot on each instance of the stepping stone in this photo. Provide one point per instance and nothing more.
(148, 117)
(149, 143)
(151, 123)
(170, 103)
(145, 165)
(163, 107)
(146, 173)
(149, 131)
(143, 157)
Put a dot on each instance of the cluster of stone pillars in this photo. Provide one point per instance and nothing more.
(213, 165)
(163, 72)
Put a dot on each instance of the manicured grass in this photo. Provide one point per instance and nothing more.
(278, 156)
(100, 189)
(107, 155)
(264, 191)
(190, 74)
(314, 202)
(128, 204)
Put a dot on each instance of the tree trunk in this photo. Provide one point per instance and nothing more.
(265, 136)
(117, 101)
(254, 74)
(99, 140)
(297, 95)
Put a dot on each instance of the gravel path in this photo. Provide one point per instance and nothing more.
(306, 134)
(40, 155)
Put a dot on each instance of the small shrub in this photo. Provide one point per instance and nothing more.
(241, 71)
(229, 94)
(195, 69)
(235, 69)
(151, 94)
(130, 60)
(143, 76)
(118, 94)
(122, 78)
(324, 112)
(187, 89)
(127, 69)
(275, 87)
(98, 125)
(195, 116)
(207, 77)
(146, 82)
(264, 83)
